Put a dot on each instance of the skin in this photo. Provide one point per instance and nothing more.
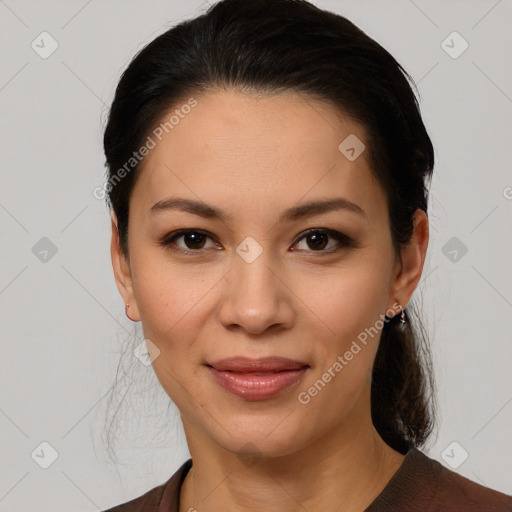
(254, 156)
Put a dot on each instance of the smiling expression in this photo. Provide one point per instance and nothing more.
(251, 234)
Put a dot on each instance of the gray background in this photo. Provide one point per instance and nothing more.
(63, 321)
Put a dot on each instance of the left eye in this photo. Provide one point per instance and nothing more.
(317, 238)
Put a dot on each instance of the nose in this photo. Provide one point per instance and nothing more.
(256, 297)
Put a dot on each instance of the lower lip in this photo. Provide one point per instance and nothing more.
(251, 386)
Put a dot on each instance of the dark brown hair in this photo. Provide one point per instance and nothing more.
(268, 46)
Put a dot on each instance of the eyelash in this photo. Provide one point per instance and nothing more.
(344, 240)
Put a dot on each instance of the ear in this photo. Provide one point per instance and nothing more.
(122, 272)
(410, 264)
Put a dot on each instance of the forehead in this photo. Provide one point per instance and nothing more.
(258, 151)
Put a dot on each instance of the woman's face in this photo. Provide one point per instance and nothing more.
(253, 282)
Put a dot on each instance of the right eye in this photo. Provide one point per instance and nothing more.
(193, 239)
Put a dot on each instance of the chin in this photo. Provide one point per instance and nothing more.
(270, 437)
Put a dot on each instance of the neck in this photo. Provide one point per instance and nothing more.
(345, 470)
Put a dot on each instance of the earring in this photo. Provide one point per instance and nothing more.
(126, 311)
(402, 319)
(402, 315)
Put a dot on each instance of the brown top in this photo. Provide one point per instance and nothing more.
(420, 484)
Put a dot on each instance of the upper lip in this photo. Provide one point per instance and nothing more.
(265, 364)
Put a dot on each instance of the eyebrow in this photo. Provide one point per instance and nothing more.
(296, 212)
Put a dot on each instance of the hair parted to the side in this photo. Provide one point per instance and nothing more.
(270, 46)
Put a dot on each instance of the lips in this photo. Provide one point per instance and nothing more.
(257, 379)
(262, 365)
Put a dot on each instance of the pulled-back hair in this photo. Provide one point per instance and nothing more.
(269, 46)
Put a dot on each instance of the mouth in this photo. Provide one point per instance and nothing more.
(257, 379)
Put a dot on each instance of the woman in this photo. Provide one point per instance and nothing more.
(267, 181)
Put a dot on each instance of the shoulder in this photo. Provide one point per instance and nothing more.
(455, 490)
(148, 501)
(429, 485)
(163, 497)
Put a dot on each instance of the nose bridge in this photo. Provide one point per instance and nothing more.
(254, 296)
(251, 273)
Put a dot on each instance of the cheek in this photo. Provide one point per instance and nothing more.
(171, 307)
(345, 303)
(174, 302)
(166, 295)
(349, 307)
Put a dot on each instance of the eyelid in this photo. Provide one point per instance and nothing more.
(168, 240)
(344, 241)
